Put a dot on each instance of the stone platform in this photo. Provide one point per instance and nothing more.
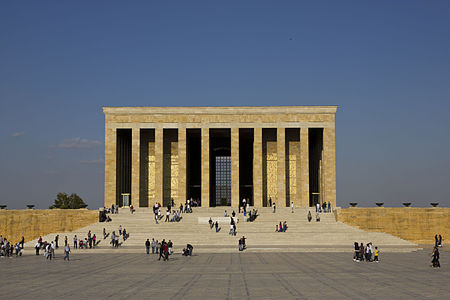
(225, 276)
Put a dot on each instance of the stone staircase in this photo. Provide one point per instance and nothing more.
(301, 236)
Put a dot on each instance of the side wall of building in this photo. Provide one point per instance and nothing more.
(34, 223)
(418, 225)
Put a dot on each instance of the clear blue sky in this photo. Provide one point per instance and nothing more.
(385, 63)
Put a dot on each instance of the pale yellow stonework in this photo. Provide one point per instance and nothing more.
(281, 167)
(205, 167)
(280, 162)
(135, 165)
(257, 168)
(181, 165)
(234, 167)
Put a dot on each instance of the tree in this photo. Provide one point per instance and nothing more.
(65, 201)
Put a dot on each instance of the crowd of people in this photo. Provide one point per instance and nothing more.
(366, 253)
(282, 227)
(176, 214)
(164, 249)
(115, 238)
(9, 249)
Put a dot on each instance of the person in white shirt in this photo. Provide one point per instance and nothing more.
(292, 207)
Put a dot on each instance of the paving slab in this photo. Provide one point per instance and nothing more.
(274, 275)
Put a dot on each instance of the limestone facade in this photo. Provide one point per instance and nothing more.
(279, 154)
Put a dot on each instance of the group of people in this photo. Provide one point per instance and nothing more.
(164, 249)
(90, 241)
(282, 227)
(309, 216)
(49, 248)
(325, 207)
(7, 248)
(365, 253)
(115, 237)
(438, 240)
(176, 214)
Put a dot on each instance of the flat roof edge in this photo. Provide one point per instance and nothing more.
(124, 110)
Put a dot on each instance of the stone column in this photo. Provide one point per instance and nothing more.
(281, 167)
(257, 168)
(181, 165)
(135, 165)
(303, 170)
(159, 159)
(329, 166)
(205, 167)
(234, 167)
(110, 165)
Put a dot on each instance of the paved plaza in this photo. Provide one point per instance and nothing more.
(225, 276)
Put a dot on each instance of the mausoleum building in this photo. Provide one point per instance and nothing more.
(220, 155)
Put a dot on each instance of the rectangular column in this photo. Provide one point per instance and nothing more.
(205, 167)
(159, 135)
(135, 165)
(257, 168)
(329, 166)
(181, 165)
(281, 167)
(303, 170)
(234, 167)
(110, 166)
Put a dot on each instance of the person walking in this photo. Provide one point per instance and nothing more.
(167, 216)
(75, 239)
(66, 252)
(435, 255)
(309, 216)
(147, 246)
(94, 240)
(217, 226)
(292, 207)
(22, 241)
(162, 249)
(157, 246)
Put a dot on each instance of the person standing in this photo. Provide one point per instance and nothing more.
(75, 241)
(162, 249)
(153, 246)
(22, 241)
(167, 215)
(56, 240)
(292, 207)
(217, 226)
(157, 246)
(270, 201)
(435, 255)
(439, 241)
(147, 246)
(329, 206)
(274, 208)
(52, 250)
(94, 240)
(376, 253)
(37, 247)
(66, 252)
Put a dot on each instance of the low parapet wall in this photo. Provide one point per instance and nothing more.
(34, 223)
(418, 225)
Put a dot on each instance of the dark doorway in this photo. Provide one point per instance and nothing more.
(220, 167)
(315, 164)
(194, 165)
(246, 165)
(123, 164)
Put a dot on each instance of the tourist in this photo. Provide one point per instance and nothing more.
(94, 240)
(156, 217)
(274, 208)
(120, 229)
(280, 227)
(376, 254)
(225, 214)
(361, 252)
(157, 246)
(65, 240)
(116, 241)
(161, 249)
(147, 246)
(439, 241)
(124, 234)
(167, 215)
(317, 217)
(270, 201)
(233, 214)
(217, 226)
(292, 207)
(285, 227)
(190, 249)
(66, 252)
(276, 228)
(210, 223)
(131, 209)
(75, 239)
(181, 207)
(22, 241)
(317, 207)
(356, 253)
(309, 216)
(329, 206)
(52, 249)
(153, 245)
(56, 240)
(170, 247)
(37, 247)
(240, 245)
(245, 216)
(435, 255)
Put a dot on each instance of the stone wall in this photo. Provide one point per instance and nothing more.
(34, 223)
(418, 225)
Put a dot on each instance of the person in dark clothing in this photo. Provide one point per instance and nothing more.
(233, 214)
(436, 240)
(217, 226)
(435, 255)
(309, 216)
(22, 241)
(166, 251)
(161, 250)
(190, 248)
(56, 241)
(147, 246)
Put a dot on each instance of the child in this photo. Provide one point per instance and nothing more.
(376, 255)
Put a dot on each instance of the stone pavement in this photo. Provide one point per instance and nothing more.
(225, 276)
